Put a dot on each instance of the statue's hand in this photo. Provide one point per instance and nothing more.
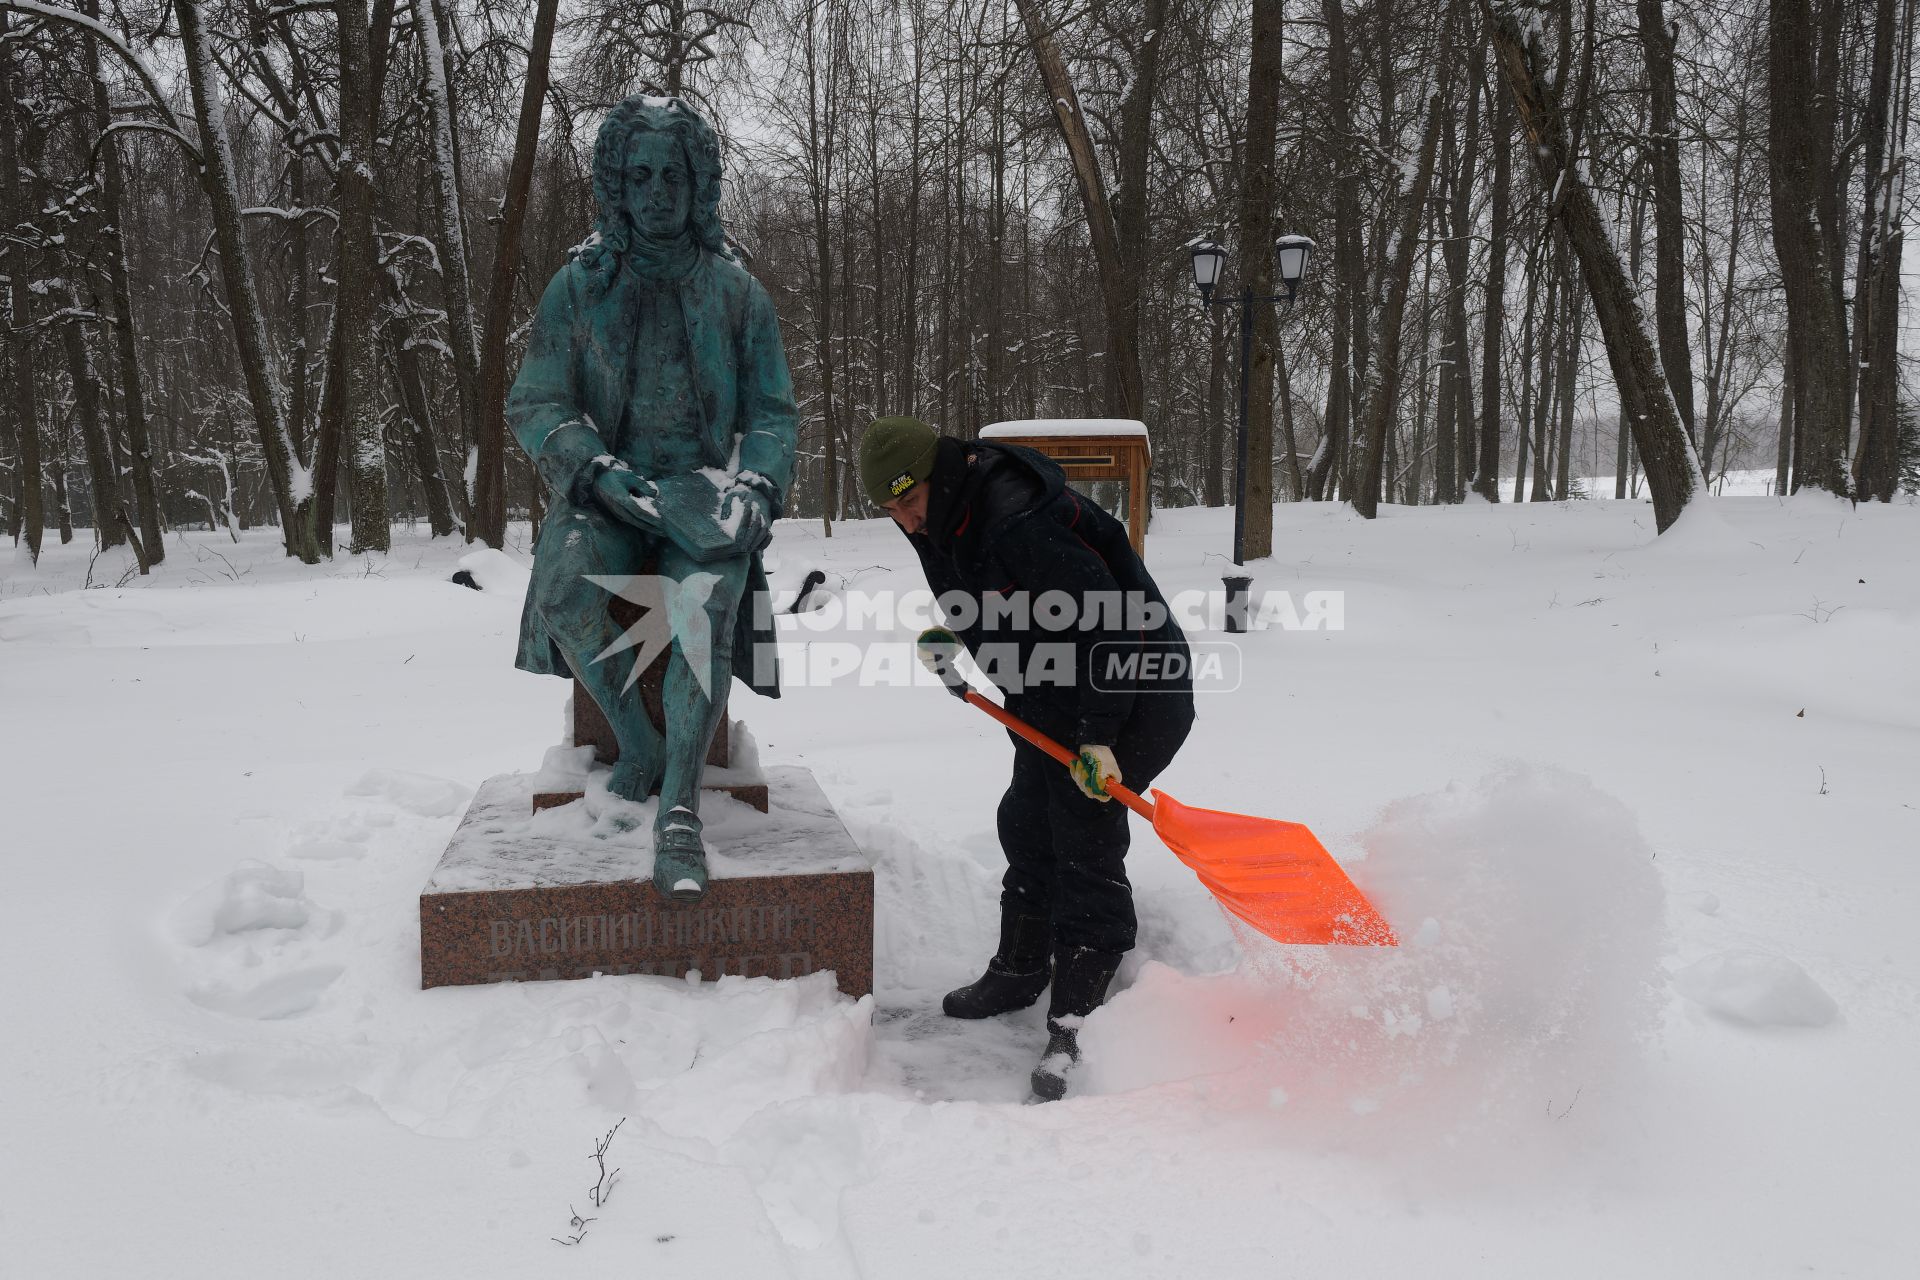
(755, 529)
(628, 497)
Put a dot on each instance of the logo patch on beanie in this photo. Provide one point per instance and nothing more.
(901, 483)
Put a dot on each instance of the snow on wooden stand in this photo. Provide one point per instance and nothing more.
(1092, 449)
(566, 892)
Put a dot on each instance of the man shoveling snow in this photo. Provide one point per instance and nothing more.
(1048, 596)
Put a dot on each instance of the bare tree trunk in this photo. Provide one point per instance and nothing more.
(102, 481)
(1673, 470)
(908, 378)
(1486, 475)
(132, 402)
(1415, 472)
(16, 203)
(450, 239)
(291, 486)
(1384, 395)
(62, 507)
(1669, 227)
(1445, 450)
(355, 294)
(1569, 363)
(1523, 435)
(1294, 493)
(1125, 394)
(299, 350)
(1330, 457)
(880, 331)
(1816, 321)
(1548, 345)
(419, 432)
(1876, 469)
(1718, 346)
(1454, 218)
(1259, 187)
(1783, 451)
(489, 523)
(1458, 259)
(1624, 463)
(1132, 185)
(823, 115)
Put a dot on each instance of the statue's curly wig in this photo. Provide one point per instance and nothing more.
(673, 116)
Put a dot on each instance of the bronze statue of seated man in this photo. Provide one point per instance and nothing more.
(655, 402)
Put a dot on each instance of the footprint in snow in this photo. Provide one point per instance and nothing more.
(324, 850)
(285, 995)
(417, 793)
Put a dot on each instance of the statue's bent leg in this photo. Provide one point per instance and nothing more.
(575, 544)
(695, 697)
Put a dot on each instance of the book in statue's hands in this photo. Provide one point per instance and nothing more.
(690, 511)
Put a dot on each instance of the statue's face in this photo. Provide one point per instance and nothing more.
(656, 189)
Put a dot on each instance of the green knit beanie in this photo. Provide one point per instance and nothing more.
(895, 455)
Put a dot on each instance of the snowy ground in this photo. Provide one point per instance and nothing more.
(1645, 812)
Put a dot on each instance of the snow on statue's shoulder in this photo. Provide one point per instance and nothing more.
(1065, 428)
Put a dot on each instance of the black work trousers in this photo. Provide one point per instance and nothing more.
(1066, 853)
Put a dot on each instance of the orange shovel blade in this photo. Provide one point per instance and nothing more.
(1273, 875)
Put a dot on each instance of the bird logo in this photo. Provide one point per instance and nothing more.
(671, 611)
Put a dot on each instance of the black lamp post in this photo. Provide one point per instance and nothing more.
(1209, 260)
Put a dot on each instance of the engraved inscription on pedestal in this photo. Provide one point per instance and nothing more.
(753, 941)
(567, 893)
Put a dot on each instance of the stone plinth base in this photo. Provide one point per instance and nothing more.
(567, 892)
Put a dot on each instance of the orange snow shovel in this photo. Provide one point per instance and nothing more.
(1273, 875)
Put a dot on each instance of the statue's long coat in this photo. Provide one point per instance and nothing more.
(577, 380)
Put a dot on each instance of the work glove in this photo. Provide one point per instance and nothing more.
(939, 651)
(627, 497)
(756, 519)
(1094, 768)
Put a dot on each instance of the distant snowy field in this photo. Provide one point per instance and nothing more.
(1645, 812)
(1733, 484)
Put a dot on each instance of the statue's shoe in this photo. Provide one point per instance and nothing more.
(679, 859)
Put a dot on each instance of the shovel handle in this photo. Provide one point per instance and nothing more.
(1058, 752)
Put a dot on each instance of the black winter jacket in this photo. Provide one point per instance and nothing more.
(1001, 521)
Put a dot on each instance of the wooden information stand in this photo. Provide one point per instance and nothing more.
(1092, 449)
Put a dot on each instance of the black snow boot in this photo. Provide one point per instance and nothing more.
(1015, 976)
(1080, 979)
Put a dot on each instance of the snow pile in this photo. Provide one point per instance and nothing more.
(253, 897)
(251, 935)
(1531, 920)
(495, 570)
(1757, 989)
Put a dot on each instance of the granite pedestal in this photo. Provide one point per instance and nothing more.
(567, 891)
